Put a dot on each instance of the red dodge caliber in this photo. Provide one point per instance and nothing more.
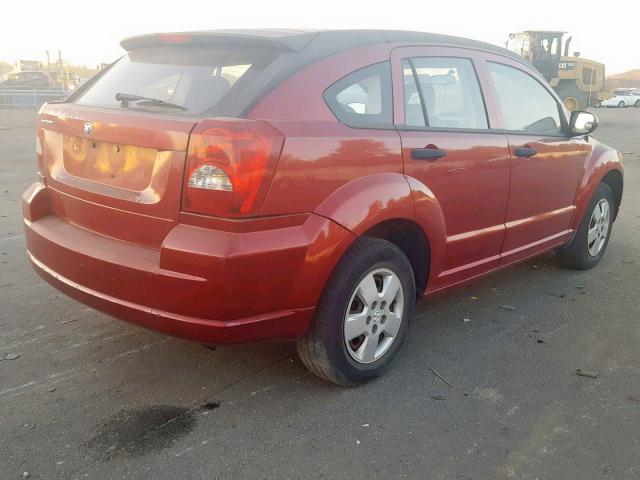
(236, 186)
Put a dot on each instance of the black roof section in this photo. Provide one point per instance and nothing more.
(298, 40)
(297, 49)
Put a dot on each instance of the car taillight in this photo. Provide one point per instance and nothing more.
(230, 163)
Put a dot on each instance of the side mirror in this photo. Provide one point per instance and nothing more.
(582, 123)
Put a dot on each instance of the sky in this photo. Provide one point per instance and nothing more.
(88, 33)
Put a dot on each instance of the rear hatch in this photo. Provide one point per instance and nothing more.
(113, 154)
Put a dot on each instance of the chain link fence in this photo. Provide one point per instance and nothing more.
(29, 98)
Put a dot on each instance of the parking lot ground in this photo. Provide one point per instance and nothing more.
(88, 396)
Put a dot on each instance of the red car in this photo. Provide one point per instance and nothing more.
(236, 186)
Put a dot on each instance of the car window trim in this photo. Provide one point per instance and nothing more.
(409, 128)
(414, 128)
(369, 126)
(423, 104)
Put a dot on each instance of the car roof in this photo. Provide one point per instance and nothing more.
(299, 48)
(322, 41)
(544, 31)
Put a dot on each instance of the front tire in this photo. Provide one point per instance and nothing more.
(363, 314)
(637, 104)
(591, 239)
(621, 104)
(572, 97)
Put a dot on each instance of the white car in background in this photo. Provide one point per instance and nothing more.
(622, 98)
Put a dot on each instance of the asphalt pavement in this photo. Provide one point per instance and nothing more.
(83, 395)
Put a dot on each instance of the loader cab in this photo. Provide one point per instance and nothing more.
(542, 48)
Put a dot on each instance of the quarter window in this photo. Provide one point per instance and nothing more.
(446, 90)
(527, 107)
(363, 97)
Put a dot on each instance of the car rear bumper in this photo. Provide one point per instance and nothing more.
(203, 284)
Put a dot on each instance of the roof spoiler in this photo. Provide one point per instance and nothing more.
(292, 40)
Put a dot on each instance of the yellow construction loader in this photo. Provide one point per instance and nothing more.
(579, 82)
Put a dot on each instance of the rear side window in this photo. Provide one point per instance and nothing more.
(363, 97)
(527, 106)
(443, 92)
(195, 78)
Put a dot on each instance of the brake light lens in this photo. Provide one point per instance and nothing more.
(230, 163)
(175, 38)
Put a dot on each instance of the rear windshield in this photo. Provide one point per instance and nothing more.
(185, 79)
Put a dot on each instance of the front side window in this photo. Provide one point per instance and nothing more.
(550, 45)
(527, 107)
(519, 43)
(363, 97)
(443, 93)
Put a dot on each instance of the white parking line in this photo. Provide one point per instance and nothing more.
(64, 375)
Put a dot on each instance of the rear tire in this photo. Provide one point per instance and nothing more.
(591, 239)
(369, 272)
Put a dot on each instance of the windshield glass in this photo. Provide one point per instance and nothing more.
(193, 77)
(518, 44)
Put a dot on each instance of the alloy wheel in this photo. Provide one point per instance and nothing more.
(598, 227)
(374, 315)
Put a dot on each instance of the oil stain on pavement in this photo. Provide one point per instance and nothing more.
(136, 432)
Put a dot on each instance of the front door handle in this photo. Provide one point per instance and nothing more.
(525, 152)
(427, 153)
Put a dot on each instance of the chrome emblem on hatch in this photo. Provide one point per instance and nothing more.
(88, 128)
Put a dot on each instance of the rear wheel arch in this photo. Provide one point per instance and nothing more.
(409, 237)
(366, 205)
(367, 201)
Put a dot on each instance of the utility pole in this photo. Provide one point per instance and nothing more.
(49, 63)
(62, 70)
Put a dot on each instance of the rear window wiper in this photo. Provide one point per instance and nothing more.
(125, 98)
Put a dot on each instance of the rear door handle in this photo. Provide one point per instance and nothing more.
(427, 153)
(525, 152)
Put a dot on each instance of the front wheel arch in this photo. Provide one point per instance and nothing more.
(613, 178)
(576, 253)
